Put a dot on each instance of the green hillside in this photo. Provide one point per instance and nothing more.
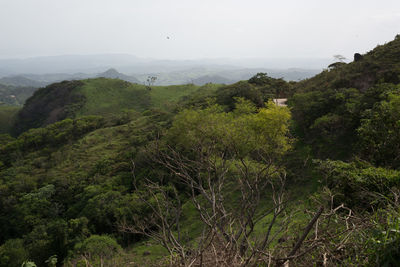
(100, 96)
(111, 96)
(7, 118)
(330, 107)
(380, 65)
(108, 173)
(15, 95)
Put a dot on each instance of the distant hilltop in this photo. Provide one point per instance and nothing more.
(114, 74)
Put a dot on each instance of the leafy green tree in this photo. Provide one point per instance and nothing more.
(358, 183)
(211, 153)
(97, 249)
(226, 95)
(12, 253)
(339, 57)
(328, 120)
(260, 78)
(379, 133)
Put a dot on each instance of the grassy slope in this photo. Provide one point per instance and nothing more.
(100, 96)
(163, 96)
(111, 96)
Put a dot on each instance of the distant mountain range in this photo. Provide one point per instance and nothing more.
(17, 88)
(134, 65)
(20, 77)
(41, 80)
(21, 80)
(211, 79)
(198, 75)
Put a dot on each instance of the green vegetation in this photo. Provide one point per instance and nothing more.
(105, 97)
(164, 97)
(7, 118)
(111, 96)
(15, 95)
(103, 172)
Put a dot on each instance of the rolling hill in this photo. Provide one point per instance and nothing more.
(211, 79)
(380, 65)
(114, 74)
(100, 96)
(15, 95)
(21, 81)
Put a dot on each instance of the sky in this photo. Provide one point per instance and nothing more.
(196, 29)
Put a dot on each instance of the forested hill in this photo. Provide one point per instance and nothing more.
(103, 172)
(100, 96)
(380, 65)
(330, 108)
(14, 95)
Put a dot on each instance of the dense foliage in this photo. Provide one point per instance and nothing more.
(88, 157)
(14, 95)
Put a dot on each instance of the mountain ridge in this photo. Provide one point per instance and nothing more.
(114, 74)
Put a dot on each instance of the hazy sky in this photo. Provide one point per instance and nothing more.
(196, 28)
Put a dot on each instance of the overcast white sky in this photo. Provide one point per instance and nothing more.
(197, 28)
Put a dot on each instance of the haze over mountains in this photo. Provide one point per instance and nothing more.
(132, 64)
(41, 71)
(19, 78)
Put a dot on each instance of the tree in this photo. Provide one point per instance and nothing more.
(228, 163)
(379, 132)
(97, 249)
(339, 58)
(12, 253)
(150, 81)
(260, 78)
(227, 95)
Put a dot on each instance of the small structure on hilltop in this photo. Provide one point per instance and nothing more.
(281, 102)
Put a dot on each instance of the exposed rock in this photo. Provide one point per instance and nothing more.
(357, 57)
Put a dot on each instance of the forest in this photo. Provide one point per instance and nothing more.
(104, 172)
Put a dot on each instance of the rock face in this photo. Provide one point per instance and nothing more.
(357, 57)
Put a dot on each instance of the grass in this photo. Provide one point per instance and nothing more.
(164, 96)
(191, 225)
(112, 96)
(147, 254)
